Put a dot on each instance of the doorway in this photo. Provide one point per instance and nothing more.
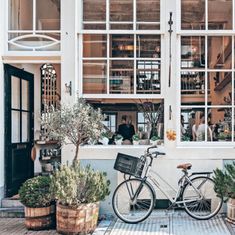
(19, 127)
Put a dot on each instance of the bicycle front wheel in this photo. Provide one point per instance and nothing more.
(133, 200)
(200, 200)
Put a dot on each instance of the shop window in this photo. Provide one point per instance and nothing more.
(121, 77)
(94, 14)
(94, 77)
(148, 14)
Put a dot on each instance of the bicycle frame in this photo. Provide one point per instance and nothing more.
(185, 179)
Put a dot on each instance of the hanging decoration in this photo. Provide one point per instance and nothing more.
(170, 22)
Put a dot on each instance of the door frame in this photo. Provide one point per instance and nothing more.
(9, 71)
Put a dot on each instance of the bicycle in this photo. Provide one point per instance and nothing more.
(134, 199)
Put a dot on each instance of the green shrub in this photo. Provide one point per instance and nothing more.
(74, 185)
(225, 181)
(35, 192)
(136, 137)
(154, 138)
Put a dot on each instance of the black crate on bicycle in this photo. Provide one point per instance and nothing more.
(129, 165)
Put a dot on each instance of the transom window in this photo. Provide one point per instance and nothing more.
(34, 25)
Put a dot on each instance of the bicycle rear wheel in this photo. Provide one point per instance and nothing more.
(133, 200)
(200, 199)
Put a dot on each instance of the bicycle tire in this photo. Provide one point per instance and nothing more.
(126, 213)
(205, 203)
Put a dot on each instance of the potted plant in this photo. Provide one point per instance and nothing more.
(36, 197)
(118, 139)
(76, 124)
(136, 139)
(225, 188)
(78, 192)
(104, 138)
(154, 140)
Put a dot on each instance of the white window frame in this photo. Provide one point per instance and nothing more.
(206, 33)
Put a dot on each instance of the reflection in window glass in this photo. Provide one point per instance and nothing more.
(220, 14)
(47, 15)
(219, 88)
(15, 92)
(148, 46)
(94, 45)
(25, 127)
(193, 14)
(122, 45)
(148, 77)
(193, 127)
(192, 88)
(148, 11)
(220, 120)
(15, 126)
(219, 52)
(20, 15)
(94, 10)
(94, 77)
(121, 77)
(192, 52)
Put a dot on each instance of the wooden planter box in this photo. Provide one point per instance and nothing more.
(231, 210)
(77, 220)
(40, 218)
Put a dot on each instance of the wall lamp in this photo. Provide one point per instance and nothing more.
(68, 88)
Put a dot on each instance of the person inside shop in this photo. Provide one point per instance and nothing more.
(199, 128)
(126, 129)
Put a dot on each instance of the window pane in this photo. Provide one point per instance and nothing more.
(25, 127)
(148, 46)
(219, 88)
(220, 120)
(148, 11)
(48, 15)
(219, 52)
(94, 10)
(121, 77)
(20, 14)
(148, 77)
(94, 77)
(25, 95)
(192, 124)
(193, 52)
(220, 14)
(15, 126)
(121, 12)
(94, 45)
(122, 45)
(192, 88)
(193, 14)
(15, 92)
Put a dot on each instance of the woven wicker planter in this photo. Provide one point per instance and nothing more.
(231, 210)
(77, 220)
(40, 218)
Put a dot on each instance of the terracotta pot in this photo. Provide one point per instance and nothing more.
(40, 218)
(82, 219)
(231, 210)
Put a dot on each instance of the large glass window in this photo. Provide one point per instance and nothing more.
(41, 19)
(206, 72)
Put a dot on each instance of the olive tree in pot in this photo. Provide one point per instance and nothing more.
(39, 208)
(78, 192)
(73, 124)
(225, 188)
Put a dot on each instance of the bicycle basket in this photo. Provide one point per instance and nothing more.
(129, 165)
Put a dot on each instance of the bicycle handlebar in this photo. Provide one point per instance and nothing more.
(152, 147)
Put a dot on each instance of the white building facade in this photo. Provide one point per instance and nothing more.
(117, 54)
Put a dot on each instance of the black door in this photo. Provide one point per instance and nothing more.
(19, 106)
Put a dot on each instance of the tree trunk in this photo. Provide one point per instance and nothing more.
(76, 154)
